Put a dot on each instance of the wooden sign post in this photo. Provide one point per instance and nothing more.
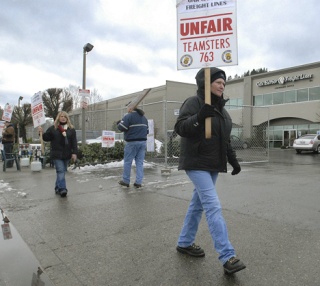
(133, 104)
(207, 99)
(42, 144)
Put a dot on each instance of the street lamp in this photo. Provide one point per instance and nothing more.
(86, 49)
(20, 98)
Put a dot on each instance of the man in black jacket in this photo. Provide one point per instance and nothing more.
(8, 136)
(203, 159)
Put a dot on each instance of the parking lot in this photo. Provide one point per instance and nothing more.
(102, 234)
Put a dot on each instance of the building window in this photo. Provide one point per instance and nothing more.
(314, 93)
(234, 103)
(278, 97)
(290, 96)
(267, 99)
(257, 100)
(302, 95)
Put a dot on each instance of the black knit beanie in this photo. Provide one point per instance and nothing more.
(217, 75)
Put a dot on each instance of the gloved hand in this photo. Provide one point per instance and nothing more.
(236, 170)
(205, 111)
(118, 122)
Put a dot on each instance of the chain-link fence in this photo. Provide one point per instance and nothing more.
(249, 135)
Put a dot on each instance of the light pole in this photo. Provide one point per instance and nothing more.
(86, 49)
(20, 98)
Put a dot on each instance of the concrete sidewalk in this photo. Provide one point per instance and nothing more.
(102, 234)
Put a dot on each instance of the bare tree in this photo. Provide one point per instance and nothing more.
(23, 117)
(74, 91)
(95, 97)
(56, 100)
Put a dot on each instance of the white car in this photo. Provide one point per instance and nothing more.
(307, 142)
(118, 138)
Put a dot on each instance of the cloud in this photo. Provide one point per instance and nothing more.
(135, 43)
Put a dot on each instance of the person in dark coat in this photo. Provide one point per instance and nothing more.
(203, 159)
(62, 136)
(8, 137)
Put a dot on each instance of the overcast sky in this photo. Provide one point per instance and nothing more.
(135, 43)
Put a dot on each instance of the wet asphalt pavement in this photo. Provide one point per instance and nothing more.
(102, 234)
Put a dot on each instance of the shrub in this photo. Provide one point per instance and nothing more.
(94, 153)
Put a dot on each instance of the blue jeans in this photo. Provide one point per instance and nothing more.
(206, 198)
(134, 150)
(61, 169)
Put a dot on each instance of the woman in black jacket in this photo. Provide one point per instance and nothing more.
(203, 159)
(63, 146)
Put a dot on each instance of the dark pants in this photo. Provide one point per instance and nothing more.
(8, 148)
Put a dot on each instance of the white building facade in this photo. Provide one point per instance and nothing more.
(282, 105)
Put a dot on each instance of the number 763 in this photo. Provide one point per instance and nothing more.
(207, 57)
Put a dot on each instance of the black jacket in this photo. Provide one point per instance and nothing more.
(197, 152)
(8, 134)
(60, 149)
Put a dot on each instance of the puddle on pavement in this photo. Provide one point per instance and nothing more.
(18, 265)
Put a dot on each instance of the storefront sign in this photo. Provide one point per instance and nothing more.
(284, 79)
(207, 33)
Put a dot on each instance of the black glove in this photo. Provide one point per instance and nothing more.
(206, 111)
(236, 170)
(118, 122)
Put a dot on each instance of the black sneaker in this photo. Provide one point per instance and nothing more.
(63, 193)
(233, 265)
(192, 250)
(137, 185)
(122, 183)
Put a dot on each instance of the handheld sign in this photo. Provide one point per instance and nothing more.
(207, 37)
(7, 113)
(38, 115)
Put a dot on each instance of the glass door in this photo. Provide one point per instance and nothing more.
(288, 137)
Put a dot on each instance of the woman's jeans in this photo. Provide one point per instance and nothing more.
(134, 150)
(61, 169)
(206, 198)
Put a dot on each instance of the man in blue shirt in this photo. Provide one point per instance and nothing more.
(135, 127)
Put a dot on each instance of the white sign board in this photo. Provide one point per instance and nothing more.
(150, 136)
(7, 113)
(108, 138)
(84, 94)
(207, 34)
(1, 129)
(37, 110)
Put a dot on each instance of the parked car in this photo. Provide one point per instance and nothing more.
(118, 138)
(237, 143)
(307, 142)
